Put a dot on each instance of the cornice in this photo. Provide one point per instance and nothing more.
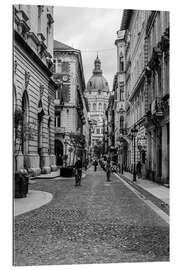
(19, 39)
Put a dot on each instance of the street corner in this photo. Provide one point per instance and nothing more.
(33, 200)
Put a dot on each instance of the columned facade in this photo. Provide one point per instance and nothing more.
(34, 89)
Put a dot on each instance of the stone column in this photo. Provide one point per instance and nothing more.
(165, 155)
(45, 160)
(153, 154)
(52, 157)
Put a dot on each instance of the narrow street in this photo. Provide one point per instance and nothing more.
(99, 222)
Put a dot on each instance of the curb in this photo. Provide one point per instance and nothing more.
(158, 202)
(53, 177)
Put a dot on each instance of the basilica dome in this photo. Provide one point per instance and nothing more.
(97, 81)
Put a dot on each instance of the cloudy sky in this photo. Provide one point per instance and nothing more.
(90, 30)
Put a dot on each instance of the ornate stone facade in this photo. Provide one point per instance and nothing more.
(97, 94)
(70, 108)
(147, 90)
(33, 87)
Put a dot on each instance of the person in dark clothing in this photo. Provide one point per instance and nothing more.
(95, 165)
(138, 167)
(108, 170)
(78, 171)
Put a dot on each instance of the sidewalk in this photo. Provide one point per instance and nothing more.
(47, 176)
(155, 192)
(37, 198)
(34, 199)
(53, 175)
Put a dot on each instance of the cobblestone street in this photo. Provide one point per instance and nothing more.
(99, 222)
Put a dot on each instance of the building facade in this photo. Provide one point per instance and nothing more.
(70, 107)
(121, 139)
(147, 91)
(97, 94)
(34, 90)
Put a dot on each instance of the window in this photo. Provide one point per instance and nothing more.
(122, 92)
(121, 64)
(121, 123)
(64, 67)
(98, 130)
(94, 106)
(105, 106)
(100, 107)
(58, 119)
(59, 66)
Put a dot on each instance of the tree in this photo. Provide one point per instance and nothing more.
(98, 149)
(77, 141)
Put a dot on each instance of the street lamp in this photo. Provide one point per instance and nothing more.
(134, 132)
(65, 143)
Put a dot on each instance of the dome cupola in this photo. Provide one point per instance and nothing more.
(97, 81)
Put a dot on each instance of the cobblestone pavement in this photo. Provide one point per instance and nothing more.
(99, 222)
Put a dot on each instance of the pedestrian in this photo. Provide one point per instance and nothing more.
(108, 170)
(95, 165)
(78, 171)
(138, 167)
(86, 164)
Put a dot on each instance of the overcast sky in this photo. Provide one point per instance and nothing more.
(90, 29)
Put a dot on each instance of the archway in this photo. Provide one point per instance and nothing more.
(59, 151)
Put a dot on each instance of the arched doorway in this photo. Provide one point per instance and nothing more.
(59, 152)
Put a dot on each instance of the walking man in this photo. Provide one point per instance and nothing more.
(95, 165)
(78, 172)
(108, 170)
(138, 167)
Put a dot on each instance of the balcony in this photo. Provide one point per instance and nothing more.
(59, 130)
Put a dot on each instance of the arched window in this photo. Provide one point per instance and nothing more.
(121, 92)
(121, 124)
(25, 112)
(100, 107)
(94, 106)
(121, 63)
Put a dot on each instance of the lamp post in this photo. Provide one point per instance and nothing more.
(65, 143)
(134, 132)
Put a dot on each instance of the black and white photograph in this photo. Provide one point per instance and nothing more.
(91, 143)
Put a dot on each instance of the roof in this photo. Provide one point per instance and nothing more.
(127, 13)
(59, 47)
(62, 46)
(97, 82)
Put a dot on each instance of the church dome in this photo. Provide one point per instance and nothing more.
(97, 80)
